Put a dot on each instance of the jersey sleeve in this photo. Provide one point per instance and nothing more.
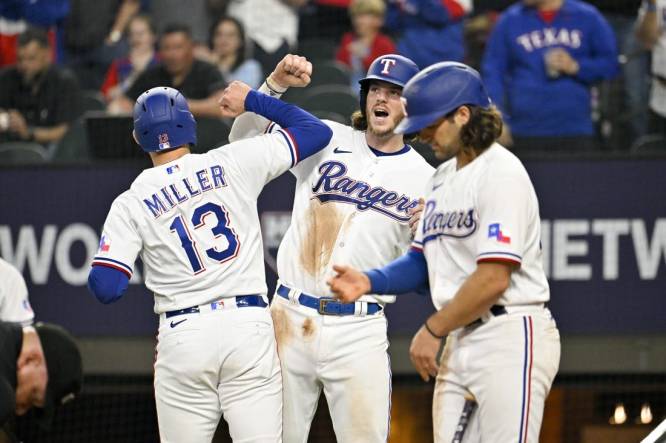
(260, 159)
(120, 242)
(249, 124)
(503, 203)
(14, 304)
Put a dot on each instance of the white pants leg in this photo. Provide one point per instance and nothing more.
(508, 365)
(297, 345)
(221, 362)
(347, 356)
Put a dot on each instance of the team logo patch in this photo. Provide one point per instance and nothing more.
(104, 243)
(388, 64)
(500, 234)
(26, 306)
(164, 141)
(172, 169)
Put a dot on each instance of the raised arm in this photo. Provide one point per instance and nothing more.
(291, 71)
(309, 134)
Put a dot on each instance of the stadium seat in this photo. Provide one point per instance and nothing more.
(92, 101)
(334, 98)
(650, 143)
(330, 73)
(74, 144)
(211, 133)
(317, 50)
(334, 116)
(22, 153)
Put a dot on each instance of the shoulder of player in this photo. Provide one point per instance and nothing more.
(500, 164)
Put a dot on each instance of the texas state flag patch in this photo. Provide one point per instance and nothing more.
(104, 244)
(499, 233)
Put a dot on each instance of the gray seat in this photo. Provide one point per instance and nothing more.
(92, 101)
(330, 73)
(317, 50)
(650, 143)
(333, 98)
(211, 133)
(22, 153)
(74, 144)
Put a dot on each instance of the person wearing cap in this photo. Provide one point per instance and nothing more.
(41, 384)
(478, 246)
(357, 200)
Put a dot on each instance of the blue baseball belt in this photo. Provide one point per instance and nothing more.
(495, 310)
(241, 301)
(327, 306)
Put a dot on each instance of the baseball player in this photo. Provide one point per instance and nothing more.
(478, 246)
(354, 202)
(193, 221)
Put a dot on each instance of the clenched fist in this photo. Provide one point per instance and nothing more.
(232, 102)
(293, 70)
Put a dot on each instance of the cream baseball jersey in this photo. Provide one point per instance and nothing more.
(194, 222)
(487, 210)
(350, 207)
(14, 304)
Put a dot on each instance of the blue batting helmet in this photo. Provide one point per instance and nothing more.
(391, 68)
(163, 121)
(438, 90)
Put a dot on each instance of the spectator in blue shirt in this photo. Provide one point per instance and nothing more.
(430, 31)
(540, 63)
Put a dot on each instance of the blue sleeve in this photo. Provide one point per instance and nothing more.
(434, 12)
(107, 284)
(46, 12)
(602, 63)
(310, 134)
(494, 66)
(404, 274)
(393, 20)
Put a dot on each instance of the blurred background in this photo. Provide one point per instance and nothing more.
(589, 125)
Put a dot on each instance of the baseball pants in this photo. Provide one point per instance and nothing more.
(506, 367)
(346, 357)
(218, 363)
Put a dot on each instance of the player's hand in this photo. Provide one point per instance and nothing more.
(31, 350)
(349, 284)
(232, 102)
(293, 70)
(423, 353)
(415, 215)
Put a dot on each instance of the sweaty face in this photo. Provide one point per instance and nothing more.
(31, 387)
(32, 59)
(383, 108)
(177, 52)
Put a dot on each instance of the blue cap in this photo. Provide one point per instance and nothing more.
(392, 68)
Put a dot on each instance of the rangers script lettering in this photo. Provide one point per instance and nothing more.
(337, 186)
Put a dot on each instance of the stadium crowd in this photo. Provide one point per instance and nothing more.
(568, 75)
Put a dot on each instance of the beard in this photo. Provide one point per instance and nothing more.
(384, 131)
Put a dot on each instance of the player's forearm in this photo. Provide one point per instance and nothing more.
(310, 134)
(480, 291)
(249, 124)
(404, 274)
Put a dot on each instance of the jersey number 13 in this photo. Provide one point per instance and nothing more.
(179, 226)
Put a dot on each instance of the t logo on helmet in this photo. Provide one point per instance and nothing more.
(387, 62)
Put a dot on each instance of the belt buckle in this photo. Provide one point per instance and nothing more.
(323, 302)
